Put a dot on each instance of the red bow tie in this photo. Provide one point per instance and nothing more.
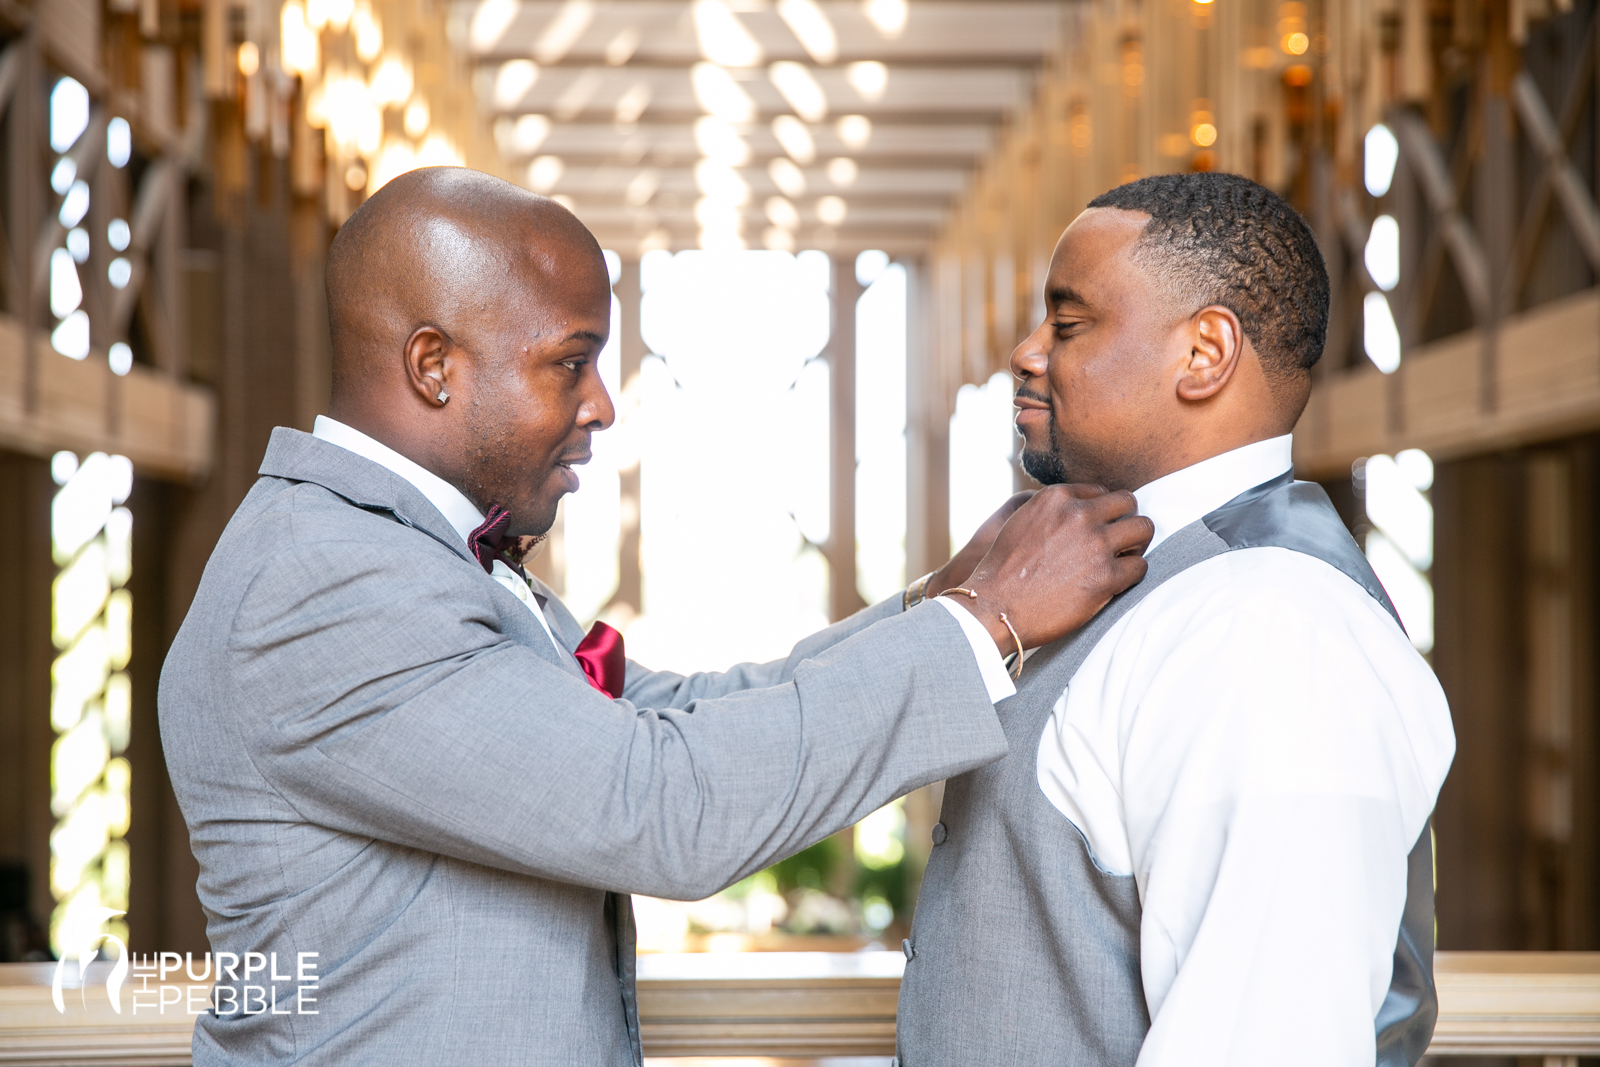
(602, 659)
(490, 542)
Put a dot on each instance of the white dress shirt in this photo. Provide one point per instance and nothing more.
(1259, 746)
(465, 517)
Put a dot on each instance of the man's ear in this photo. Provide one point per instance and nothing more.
(1216, 345)
(428, 364)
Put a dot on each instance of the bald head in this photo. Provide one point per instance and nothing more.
(466, 316)
(439, 246)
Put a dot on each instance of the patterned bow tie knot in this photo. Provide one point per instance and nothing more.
(490, 542)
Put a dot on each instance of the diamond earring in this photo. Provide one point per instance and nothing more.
(442, 397)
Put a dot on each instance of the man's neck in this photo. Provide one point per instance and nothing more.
(1174, 457)
(1180, 497)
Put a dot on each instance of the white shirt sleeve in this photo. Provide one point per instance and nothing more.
(1279, 746)
(991, 667)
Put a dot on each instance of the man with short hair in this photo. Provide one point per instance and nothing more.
(1209, 843)
(400, 759)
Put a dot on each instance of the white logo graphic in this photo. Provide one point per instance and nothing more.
(293, 993)
(86, 953)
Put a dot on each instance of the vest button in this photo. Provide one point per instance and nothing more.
(939, 833)
(905, 946)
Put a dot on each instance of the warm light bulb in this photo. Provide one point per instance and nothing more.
(887, 16)
(869, 78)
(796, 140)
(720, 95)
(855, 130)
(800, 89)
(723, 38)
(811, 28)
(417, 118)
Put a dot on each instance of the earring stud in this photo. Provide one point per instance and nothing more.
(442, 397)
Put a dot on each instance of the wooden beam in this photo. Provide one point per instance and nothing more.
(1547, 381)
(805, 1004)
(505, 51)
(1439, 188)
(163, 425)
(1562, 176)
(86, 155)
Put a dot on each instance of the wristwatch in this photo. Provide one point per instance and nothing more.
(916, 592)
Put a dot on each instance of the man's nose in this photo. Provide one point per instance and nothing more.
(1031, 358)
(597, 411)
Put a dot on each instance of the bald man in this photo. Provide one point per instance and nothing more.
(418, 794)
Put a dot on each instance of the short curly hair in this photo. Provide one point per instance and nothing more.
(1223, 239)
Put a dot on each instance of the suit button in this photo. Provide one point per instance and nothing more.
(905, 946)
(939, 833)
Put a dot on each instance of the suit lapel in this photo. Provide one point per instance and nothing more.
(300, 457)
(561, 621)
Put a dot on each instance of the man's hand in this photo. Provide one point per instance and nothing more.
(1056, 562)
(960, 567)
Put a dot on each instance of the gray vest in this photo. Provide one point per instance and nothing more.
(1023, 952)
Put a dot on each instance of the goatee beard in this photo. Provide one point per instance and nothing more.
(1046, 468)
(1043, 467)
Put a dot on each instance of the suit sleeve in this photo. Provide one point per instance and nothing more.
(428, 728)
(664, 689)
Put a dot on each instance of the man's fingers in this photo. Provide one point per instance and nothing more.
(1130, 534)
(1109, 507)
(1128, 571)
(1082, 490)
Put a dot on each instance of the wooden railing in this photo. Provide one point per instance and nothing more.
(803, 1004)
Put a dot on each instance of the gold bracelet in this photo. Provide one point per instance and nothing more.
(916, 592)
(1016, 672)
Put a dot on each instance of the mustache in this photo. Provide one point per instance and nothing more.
(1028, 394)
(578, 453)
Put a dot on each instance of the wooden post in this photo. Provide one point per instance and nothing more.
(631, 347)
(927, 506)
(927, 431)
(843, 599)
(27, 205)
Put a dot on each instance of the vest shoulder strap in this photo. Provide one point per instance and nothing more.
(1284, 513)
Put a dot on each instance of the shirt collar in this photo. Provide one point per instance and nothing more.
(1175, 500)
(452, 504)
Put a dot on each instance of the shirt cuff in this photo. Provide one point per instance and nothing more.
(990, 666)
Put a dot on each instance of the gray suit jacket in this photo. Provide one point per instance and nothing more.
(382, 759)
